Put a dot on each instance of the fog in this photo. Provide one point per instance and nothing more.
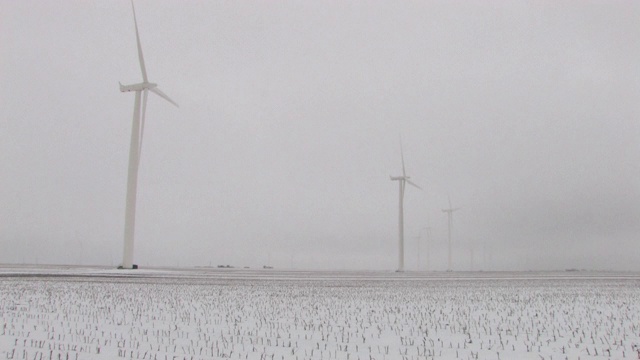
(525, 113)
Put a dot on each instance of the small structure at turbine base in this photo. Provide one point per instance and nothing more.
(133, 267)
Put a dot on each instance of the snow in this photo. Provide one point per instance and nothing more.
(94, 313)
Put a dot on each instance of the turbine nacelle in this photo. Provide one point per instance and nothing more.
(137, 87)
(153, 87)
(396, 178)
(405, 178)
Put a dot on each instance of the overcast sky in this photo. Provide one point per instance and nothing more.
(525, 112)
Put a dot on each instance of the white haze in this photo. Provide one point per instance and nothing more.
(525, 112)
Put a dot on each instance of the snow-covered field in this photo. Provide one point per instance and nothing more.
(87, 313)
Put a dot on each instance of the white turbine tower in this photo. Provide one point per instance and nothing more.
(449, 212)
(401, 182)
(137, 131)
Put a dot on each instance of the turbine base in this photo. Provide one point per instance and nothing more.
(133, 267)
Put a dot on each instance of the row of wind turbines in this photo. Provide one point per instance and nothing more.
(402, 181)
(142, 90)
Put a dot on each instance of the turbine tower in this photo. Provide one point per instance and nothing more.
(137, 130)
(449, 212)
(401, 182)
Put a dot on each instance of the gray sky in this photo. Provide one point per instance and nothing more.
(525, 112)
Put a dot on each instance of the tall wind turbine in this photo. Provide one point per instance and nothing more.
(401, 182)
(449, 212)
(142, 90)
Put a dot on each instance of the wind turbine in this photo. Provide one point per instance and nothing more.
(137, 130)
(449, 212)
(401, 182)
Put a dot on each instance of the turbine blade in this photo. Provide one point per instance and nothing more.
(163, 95)
(449, 198)
(140, 57)
(144, 112)
(412, 183)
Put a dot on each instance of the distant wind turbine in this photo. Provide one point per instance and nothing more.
(401, 182)
(428, 232)
(418, 238)
(449, 212)
(137, 132)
